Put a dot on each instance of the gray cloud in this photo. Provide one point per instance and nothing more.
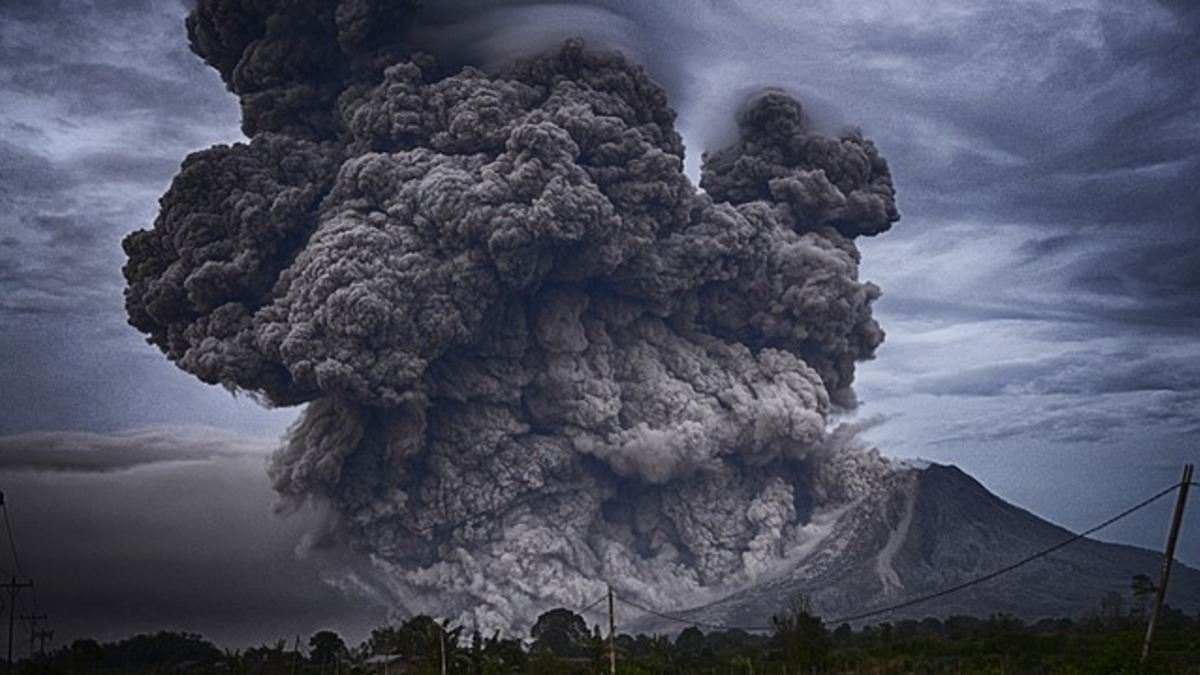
(1079, 372)
(85, 89)
(101, 101)
(26, 174)
(48, 256)
(1155, 285)
(82, 372)
(1069, 118)
(86, 452)
(124, 167)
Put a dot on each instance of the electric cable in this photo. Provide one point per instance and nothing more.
(690, 622)
(4, 568)
(12, 545)
(592, 604)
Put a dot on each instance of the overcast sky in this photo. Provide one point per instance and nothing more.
(1041, 293)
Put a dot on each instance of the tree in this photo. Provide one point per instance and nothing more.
(1143, 590)
(161, 648)
(692, 649)
(1112, 611)
(267, 656)
(800, 635)
(326, 647)
(86, 653)
(422, 641)
(690, 639)
(235, 662)
(562, 633)
(494, 656)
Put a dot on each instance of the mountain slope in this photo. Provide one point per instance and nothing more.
(929, 529)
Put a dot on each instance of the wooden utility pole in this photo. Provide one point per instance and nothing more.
(42, 636)
(442, 642)
(1165, 574)
(295, 653)
(33, 620)
(612, 636)
(13, 586)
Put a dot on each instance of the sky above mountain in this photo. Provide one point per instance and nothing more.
(1041, 296)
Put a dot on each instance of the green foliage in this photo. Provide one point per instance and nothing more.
(800, 637)
(325, 647)
(85, 654)
(422, 643)
(160, 649)
(562, 633)
(496, 656)
(1104, 643)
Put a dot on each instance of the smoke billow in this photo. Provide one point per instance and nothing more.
(536, 359)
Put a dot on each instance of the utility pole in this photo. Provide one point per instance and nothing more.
(295, 653)
(612, 636)
(33, 620)
(13, 586)
(442, 643)
(1165, 574)
(42, 636)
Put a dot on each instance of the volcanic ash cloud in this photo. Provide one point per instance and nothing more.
(535, 358)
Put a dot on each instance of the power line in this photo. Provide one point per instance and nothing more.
(32, 619)
(690, 622)
(592, 604)
(13, 586)
(12, 545)
(15, 598)
(3, 568)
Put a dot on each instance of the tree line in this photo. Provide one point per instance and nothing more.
(1108, 641)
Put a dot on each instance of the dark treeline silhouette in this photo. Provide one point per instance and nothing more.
(1108, 641)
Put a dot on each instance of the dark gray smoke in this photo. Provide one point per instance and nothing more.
(536, 359)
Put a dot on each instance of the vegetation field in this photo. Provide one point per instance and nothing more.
(561, 642)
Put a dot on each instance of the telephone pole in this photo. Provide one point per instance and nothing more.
(612, 636)
(442, 644)
(13, 586)
(42, 636)
(1165, 574)
(33, 620)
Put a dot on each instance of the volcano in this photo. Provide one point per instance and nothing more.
(929, 528)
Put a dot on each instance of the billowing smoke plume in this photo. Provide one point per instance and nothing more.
(535, 358)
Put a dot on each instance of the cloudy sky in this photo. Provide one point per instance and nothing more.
(1041, 293)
